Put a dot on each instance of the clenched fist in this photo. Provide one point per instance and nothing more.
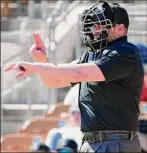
(38, 50)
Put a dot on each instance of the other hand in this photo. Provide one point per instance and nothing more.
(24, 69)
(38, 50)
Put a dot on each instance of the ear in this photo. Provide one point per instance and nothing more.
(121, 28)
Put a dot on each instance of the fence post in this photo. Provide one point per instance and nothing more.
(31, 9)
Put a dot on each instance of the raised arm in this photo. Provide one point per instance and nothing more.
(38, 52)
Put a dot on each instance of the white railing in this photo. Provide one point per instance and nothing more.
(24, 106)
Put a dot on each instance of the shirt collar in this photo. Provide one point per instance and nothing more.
(123, 38)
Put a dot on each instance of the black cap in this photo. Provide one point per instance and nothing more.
(116, 13)
(121, 16)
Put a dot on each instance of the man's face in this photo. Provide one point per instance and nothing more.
(96, 30)
(113, 33)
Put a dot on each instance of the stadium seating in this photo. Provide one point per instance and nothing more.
(31, 128)
(16, 143)
(58, 108)
(39, 127)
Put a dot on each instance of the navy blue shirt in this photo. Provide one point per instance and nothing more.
(112, 104)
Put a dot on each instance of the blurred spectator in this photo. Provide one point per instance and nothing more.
(143, 108)
(69, 125)
(69, 143)
(42, 148)
(142, 123)
(142, 132)
(144, 90)
(36, 141)
(69, 146)
(143, 52)
(71, 130)
(72, 97)
(63, 119)
(54, 139)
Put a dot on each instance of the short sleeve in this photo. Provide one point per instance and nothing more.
(117, 65)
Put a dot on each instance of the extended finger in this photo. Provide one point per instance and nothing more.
(10, 67)
(36, 41)
(18, 69)
(40, 42)
(19, 76)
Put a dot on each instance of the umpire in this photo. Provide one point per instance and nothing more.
(109, 109)
(110, 75)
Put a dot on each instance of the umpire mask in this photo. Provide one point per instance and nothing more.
(94, 25)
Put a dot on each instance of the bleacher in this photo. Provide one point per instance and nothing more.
(21, 141)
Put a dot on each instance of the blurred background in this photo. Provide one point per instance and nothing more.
(57, 23)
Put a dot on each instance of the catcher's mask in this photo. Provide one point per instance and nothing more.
(94, 25)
